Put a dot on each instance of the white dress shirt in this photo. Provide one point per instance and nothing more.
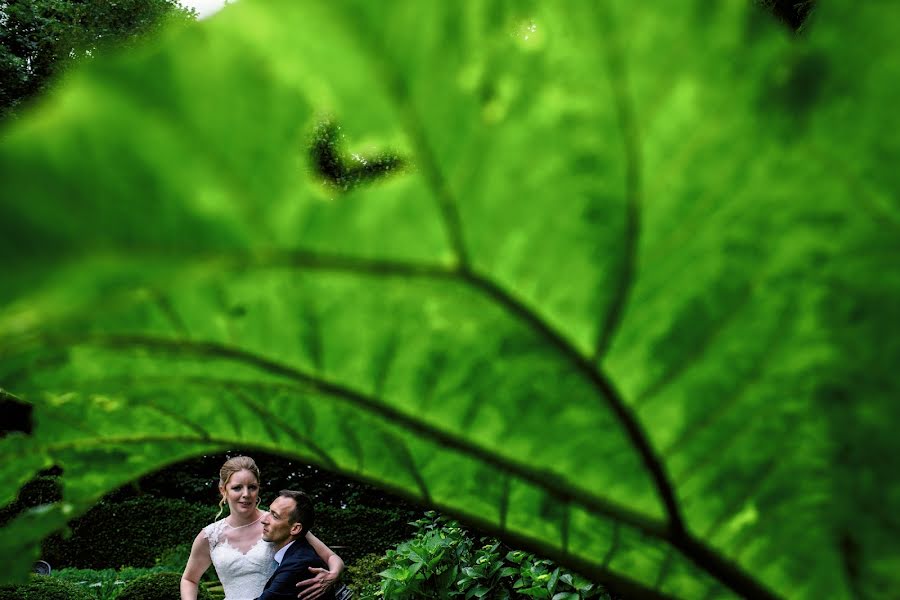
(280, 554)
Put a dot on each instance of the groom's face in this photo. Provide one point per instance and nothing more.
(278, 526)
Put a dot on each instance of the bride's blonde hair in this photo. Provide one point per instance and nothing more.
(232, 466)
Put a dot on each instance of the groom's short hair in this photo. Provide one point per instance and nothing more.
(304, 512)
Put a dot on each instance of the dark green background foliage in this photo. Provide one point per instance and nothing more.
(633, 305)
(363, 529)
(196, 481)
(45, 588)
(39, 39)
(130, 533)
(138, 523)
(157, 586)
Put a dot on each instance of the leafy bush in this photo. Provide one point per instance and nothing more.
(362, 575)
(45, 588)
(429, 564)
(134, 532)
(157, 586)
(102, 584)
(362, 530)
(441, 561)
(105, 584)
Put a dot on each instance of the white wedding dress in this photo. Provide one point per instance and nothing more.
(243, 561)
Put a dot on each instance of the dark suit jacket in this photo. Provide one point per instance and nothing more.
(293, 569)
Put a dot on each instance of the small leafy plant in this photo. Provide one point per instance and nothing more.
(442, 560)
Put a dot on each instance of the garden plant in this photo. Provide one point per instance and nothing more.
(157, 586)
(45, 588)
(443, 560)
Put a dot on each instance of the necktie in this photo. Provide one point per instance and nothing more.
(275, 564)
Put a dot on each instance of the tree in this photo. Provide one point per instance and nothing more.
(39, 38)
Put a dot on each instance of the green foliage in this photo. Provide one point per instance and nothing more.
(107, 584)
(430, 564)
(195, 480)
(157, 586)
(174, 558)
(135, 533)
(362, 575)
(443, 561)
(39, 38)
(45, 588)
(103, 584)
(634, 305)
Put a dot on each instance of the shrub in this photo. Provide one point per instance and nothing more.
(362, 575)
(157, 586)
(101, 584)
(442, 561)
(134, 532)
(45, 588)
(356, 531)
(429, 564)
(104, 584)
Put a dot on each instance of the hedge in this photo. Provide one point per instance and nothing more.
(45, 588)
(136, 531)
(195, 480)
(158, 586)
(354, 532)
(130, 533)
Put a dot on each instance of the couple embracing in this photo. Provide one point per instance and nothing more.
(261, 555)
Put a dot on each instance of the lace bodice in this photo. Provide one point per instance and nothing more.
(243, 561)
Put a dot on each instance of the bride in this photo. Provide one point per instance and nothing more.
(234, 545)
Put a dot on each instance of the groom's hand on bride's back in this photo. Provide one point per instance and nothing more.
(316, 586)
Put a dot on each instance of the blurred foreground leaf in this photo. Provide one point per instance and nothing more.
(633, 304)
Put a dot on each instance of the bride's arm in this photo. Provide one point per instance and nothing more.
(197, 564)
(310, 589)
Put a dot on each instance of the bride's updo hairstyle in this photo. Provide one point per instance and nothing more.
(232, 466)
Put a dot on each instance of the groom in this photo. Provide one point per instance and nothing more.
(285, 525)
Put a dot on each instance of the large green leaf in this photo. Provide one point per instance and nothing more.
(633, 304)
